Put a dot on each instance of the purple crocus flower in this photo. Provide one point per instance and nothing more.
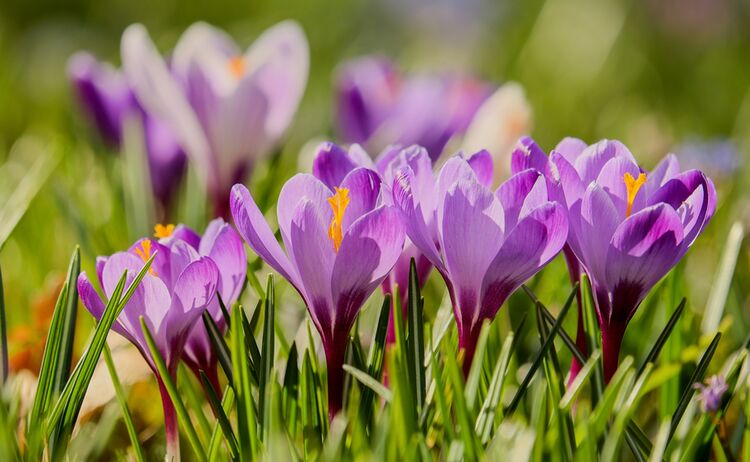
(106, 96)
(340, 245)
(485, 244)
(331, 165)
(171, 297)
(221, 243)
(377, 105)
(711, 393)
(229, 108)
(628, 228)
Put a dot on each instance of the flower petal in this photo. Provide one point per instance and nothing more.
(364, 193)
(591, 161)
(481, 163)
(527, 154)
(254, 229)
(332, 163)
(223, 245)
(301, 187)
(570, 148)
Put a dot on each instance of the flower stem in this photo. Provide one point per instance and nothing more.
(335, 354)
(467, 342)
(171, 428)
(611, 342)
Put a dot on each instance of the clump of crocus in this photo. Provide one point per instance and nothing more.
(711, 393)
(377, 105)
(178, 287)
(105, 94)
(484, 243)
(331, 165)
(628, 227)
(228, 107)
(221, 243)
(340, 245)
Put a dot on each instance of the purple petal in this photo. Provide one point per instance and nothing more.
(595, 224)
(223, 245)
(332, 163)
(612, 180)
(254, 229)
(481, 163)
(94, 304)
(572, 186)
(570, 148)
(301, 187)
(643, 249)
(368, 251)
(364, 190)
(523, 192)
(313, 255)
(186, 234)
(668, 168)
(591, 161)
(471, 234)
(527, 154)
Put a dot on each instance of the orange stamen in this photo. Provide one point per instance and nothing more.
(163, 231)
(144, 251)
(237, 66)
(633, 185)
(339, 201)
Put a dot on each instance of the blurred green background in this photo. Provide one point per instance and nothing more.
(651, 73)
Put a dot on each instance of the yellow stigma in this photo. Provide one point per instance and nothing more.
(144, 251)
(237, 66)
(163, 231)
(633, 185)
(339, 201)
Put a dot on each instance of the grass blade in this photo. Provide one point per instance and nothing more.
(67, 334)
(267, 357)
(219, 345)
(541, 353)
(663, 336)
(415, 340)
(365, 379)
(376, 359)
(182, 412)
(123, 402)
(221, 416)
(720, 287)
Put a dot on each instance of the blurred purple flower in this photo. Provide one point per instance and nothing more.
(229, 108)
(485, 244)
(171, 298)
(711, 393)
(107, 98)
(340, 245)
(331, 165)
(718, 158)
(628, 228)
(377, 105)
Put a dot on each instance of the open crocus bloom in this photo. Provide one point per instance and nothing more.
(171, 297)
(340, 245)
(378, 106)
(107, 98)
(228, 108)
(331, 165)
(485, 244)
(221, 243)
(628, 227)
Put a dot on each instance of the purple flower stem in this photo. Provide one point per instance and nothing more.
(171, 428)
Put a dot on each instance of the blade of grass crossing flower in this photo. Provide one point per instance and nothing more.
(219, 346)
(246, 419)
(123, 402)
(442, 397)
(663, 336)
(255, 361)
(69, 402)
(477, 367)
(290, 395)
(227, 403)
(669, 392)
(182, 412)
(660, 443)
(415, 345)
(486, 416)
(194, 402)
(697, 376)
(576, 386)
(221, 416)
(67, 333)
(591, 328)
(375, 360)
(603, 410)
(365, 379)
(267, 357)
(540, 355)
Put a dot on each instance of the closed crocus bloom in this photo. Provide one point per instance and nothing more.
(178, 287)
(340, 245)
(331, 165)
(221, 243)
(377, 105)
(229, 108)
(105, 94)
(628, 227)
(484, 243)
